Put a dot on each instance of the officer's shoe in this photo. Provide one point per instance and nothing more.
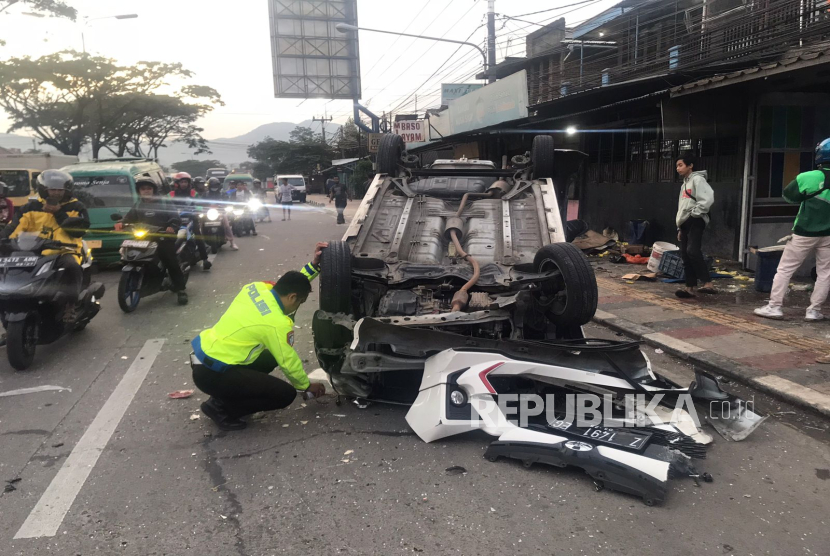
(214, 409)
(206, 264)
(182, 298)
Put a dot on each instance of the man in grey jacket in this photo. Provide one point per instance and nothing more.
(696, 198)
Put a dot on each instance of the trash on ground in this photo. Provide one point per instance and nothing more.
(195, 416)
(347, 452)
(15, 480)
(658, 350)
(646, 276)
(635, 259)
(455, 470)
(180, 394)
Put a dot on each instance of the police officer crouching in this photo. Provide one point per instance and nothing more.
(232, 361)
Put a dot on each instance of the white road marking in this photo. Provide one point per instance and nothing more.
(34, 389)
(47, 516)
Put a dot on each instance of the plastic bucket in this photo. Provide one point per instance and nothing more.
(657, 251)
(766, 268)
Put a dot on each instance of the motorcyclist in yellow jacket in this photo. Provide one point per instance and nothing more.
(233, 360)
(56, 215)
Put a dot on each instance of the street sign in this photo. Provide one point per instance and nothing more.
(452, 91)
(412, 131)
(311, 58)
(374, 142)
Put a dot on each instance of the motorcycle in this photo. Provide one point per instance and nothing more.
(213, 230)
(34, 307)
(243, 218)
(143, 273)
(186, 249)
(259, 209)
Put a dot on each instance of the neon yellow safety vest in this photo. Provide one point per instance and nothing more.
(254, 322)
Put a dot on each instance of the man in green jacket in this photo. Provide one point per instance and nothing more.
(811, 234)
(232, 361)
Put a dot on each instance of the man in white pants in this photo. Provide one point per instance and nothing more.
(811, 234)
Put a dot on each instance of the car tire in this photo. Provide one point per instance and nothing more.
(541, 156)
(571, 300)
(390, 152)
(336, 278)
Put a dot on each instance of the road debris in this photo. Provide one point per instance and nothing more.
(455, 470)
(180, 394)
(194, 417)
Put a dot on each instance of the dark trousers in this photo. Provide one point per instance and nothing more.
(200, 243)
(691, 249)
(167, 256)
(73, 275)
(246, 390)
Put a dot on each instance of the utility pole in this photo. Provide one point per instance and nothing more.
(322, 121)
(491, 40)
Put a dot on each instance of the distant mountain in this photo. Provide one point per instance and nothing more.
(228, 150)
(11, 141)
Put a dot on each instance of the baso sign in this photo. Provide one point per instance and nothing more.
(412, 131)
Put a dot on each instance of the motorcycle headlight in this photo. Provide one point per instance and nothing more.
(255, 204)
(228, 208)
(140, 233)
(213, 214)
(45, 268)
(238, 212)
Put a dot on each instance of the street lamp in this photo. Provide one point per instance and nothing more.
(345, 28)
(87, 20)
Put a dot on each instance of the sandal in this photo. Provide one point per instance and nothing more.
(711, 291)
(683, 294)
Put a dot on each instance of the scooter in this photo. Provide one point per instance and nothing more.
(213, 230)
(143, 273)
(243, 219)
(259, 210)
(186, 249)
(34, 307)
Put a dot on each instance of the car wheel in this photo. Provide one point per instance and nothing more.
(336, 278)
(571, 298)
(541, 156)
(390, 152)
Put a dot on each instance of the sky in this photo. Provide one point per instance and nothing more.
(227, 46)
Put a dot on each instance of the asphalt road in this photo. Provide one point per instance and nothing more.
(326, 479)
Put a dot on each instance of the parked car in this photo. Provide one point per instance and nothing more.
(298, 182)
(107, 187)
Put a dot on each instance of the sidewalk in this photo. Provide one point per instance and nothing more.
(321, 201)
(721, 334)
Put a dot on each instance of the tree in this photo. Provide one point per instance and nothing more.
(301, 154)
(196, 167)
(54, 8)
(348, 140)
(363, 171)
(69, 99)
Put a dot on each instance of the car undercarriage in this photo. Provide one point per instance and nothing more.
(456, 286)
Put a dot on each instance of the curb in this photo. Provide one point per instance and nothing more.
(780, 388)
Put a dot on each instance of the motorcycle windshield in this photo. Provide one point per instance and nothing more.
(29, 241)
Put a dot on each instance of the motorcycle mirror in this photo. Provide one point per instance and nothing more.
(116, 217)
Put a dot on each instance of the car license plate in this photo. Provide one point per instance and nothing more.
(605, 435)
(138, 244)
(94, 243)
(17, 262)
(212, 224)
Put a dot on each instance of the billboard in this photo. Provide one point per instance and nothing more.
(311, 58)
(452, 91)
(502, 101)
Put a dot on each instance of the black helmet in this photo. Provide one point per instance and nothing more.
(198, 181)
(147, 181)
(214, 184)
(55, 179)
